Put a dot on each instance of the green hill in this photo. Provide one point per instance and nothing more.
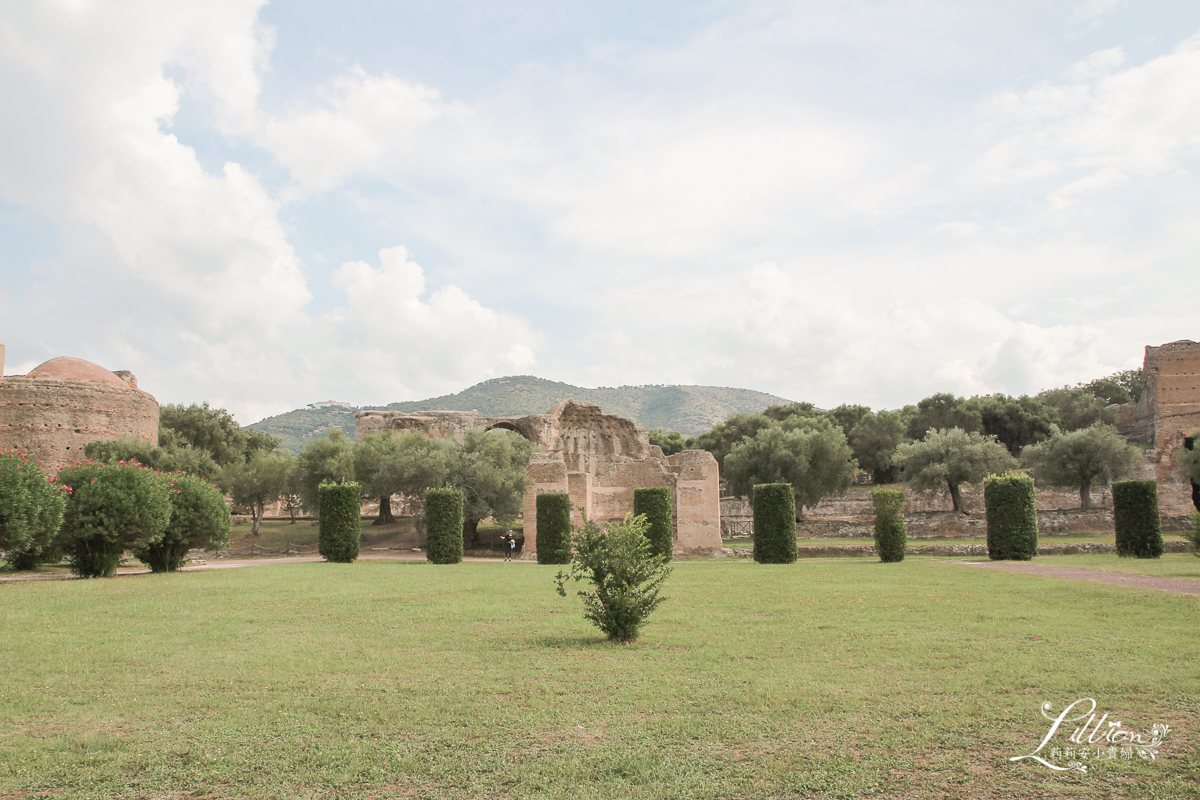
(687, 409)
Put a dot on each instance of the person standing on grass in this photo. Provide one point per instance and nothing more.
(510, 545)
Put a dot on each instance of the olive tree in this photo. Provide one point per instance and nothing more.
(810, 453)
(489, 468)
(946, 459)
(261, 480)
(1081, 458)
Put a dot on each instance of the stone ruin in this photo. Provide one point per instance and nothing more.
(596, 458)
(52, 413)
(1166, 415)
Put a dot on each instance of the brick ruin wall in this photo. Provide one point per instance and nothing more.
(1169, 408)
(52, 420)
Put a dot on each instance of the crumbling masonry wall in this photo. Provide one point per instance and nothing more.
(596, 458)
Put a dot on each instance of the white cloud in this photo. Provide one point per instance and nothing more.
(399, 343)
(1102, 121)
(363, 124)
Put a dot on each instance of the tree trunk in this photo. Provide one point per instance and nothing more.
(256, 515)
(1085, 495)
(385, 511)
(470, 532)
(956, 497)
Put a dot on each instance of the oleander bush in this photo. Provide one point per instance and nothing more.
(774, 523)
(1136, 518)
(891, 538)
(339, 506)
(625, 574)
(553, 528)
(111, 508)
(199, 518)
(31, 511)
(1012, 527)
(655, 504)
(444, 526)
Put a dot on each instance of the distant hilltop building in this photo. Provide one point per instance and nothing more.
(1169, 409)
(52, 413)
(329, 404)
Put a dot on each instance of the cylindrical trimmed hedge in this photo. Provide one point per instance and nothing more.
(655, 503)
(553, 528)
(443, 526)
(1135, 515)
(774, 523)
(339, 506)
(891, 539)
(1012, 527)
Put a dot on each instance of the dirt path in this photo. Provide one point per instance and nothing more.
(232, 563)
(1078, 573)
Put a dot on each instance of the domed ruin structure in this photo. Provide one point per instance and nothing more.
(52, 413)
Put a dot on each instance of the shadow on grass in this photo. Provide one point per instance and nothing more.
(576, 642)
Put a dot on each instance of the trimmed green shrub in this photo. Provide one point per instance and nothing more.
(1192, 534)
(31, 511)
(774, 523)
(199, 518)
(655, 504)
(110, 508)
(626, 576)
(553, 528)
(339, 507)
(444, 526)
(891, 539)
(1012, 527)
(1135, 515)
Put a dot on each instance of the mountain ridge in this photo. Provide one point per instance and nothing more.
(689, 409)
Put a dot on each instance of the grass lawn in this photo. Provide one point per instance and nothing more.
(1169, 565)
(404, 679)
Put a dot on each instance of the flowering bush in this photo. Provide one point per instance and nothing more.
(199, 518)
(31, 510)
(111, 508)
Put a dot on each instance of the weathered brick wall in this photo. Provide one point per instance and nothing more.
(1170, 404)
(53, 420)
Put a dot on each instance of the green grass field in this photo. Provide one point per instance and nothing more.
(402, 679)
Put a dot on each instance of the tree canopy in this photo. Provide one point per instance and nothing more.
(671, 443)
(1081, 458)
(261, 480)
(330, 459)
(489, 468)
(213, 430)
(949, 458)
(874, 440)
(811, 454)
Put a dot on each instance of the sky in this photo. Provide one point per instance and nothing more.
(263, 205)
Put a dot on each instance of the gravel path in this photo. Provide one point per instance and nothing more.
(1078, 573)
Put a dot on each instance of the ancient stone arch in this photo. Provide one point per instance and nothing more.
(596, 458)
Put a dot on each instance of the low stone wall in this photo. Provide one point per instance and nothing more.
(955, 550)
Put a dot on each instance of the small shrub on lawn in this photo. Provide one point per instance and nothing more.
(338, 508)
(1135, 516)
(110, 508)
(774, 523)
(553, 528)
(31, 511)
(444, 523)
(655, 504)
(625, 573)
(1012, 528)
(199, 518)
(891, 539)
